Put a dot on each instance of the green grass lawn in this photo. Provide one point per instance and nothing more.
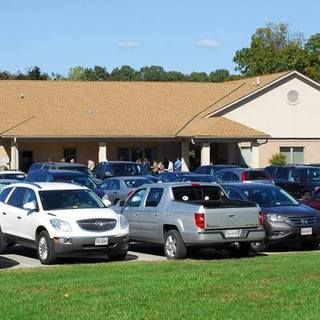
(274, 287)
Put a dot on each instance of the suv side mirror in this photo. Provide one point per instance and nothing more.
(30, 206)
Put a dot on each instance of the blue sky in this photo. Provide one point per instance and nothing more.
(189, 35)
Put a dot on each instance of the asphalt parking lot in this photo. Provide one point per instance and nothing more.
(19, 257)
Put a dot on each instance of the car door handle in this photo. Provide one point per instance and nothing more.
(18, 217)
(4, 213)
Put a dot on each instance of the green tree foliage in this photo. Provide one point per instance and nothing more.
(125, 73)
(278, 159)
(219, 75)
(274, 48)
(198, 77)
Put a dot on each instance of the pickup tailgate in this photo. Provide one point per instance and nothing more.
(231, 217)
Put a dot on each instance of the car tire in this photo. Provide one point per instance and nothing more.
(259, 246)
(45, 249)
(174, 247)
(120, 256)
(3, 243)
(310, 245)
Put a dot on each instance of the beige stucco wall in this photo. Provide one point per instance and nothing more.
(271, 113)
(311, 151)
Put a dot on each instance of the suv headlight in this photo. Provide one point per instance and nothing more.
(273, 217)
(123, 222)
(61, 225)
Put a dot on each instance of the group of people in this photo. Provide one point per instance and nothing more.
(165, 166)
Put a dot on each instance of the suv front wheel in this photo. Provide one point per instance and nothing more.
(174, 247)
(45, 249)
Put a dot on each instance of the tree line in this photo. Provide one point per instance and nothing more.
(273, 48)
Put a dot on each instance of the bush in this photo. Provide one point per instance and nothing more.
(278, 159)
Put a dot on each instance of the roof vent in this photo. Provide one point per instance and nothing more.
(21, 95)
(257, 81)
(293, 97)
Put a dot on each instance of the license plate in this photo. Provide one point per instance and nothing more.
(233, 233)
(306, 231)
(101, 241)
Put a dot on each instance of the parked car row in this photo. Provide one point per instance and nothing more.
(234, 208)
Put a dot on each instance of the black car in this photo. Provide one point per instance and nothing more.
(68, 176)
(214, 168)
(299, 180)
(109, 169)
(285, 219)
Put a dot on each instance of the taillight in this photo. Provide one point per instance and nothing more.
(199, 220)
(262, 217)
(243, 176)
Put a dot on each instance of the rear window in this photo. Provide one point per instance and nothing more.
(135, 183)
(197, 193)
(15, 176)
(256, 175)
(131, 169)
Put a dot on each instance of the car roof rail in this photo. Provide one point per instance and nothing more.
(33, 184)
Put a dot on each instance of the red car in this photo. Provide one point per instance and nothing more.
(313, 201)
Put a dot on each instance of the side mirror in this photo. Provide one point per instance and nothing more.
(30, 206)
(106, 202)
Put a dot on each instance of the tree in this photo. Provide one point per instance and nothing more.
(272, 49)
(198, 77)
(219, 75)
(34, 73)
(77, 73)
(125, 73)
(312, 48)
(152, 73)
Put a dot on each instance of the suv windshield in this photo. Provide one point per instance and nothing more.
(69, 199)
(129, 169)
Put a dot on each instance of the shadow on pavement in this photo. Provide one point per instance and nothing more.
(6, 263)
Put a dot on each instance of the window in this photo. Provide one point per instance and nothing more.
(154, 197)
(4, 194)
(136, 198)
(111, 184)
(190, 193)
(293, 154)
(16, 197)
(29, 196)
(234, 194)
(70, 153)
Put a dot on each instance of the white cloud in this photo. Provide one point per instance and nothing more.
(129, 44)
(208, 44)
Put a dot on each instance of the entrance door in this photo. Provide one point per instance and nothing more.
(25, 160)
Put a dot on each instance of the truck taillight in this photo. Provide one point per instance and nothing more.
(199, 220)
(262, 217)
(243, 176)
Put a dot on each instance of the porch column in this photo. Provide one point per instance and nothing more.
(205, 153)
(185, 146)
(231, 153)
(14, 159)
(255, 161)
(102, 155)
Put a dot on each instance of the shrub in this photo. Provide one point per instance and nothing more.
(278, 159)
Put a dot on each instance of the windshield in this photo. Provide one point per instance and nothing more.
(82, 180)
(69, 199)
(130, 169)
(135, 183)
(80, 169)
(270, 197)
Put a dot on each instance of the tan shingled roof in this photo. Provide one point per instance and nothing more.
(219, 127)
(116, 109)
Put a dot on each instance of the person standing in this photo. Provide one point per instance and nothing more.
(177, 165)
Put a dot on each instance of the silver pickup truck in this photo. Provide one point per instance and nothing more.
(187, 215)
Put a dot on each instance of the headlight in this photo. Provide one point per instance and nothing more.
(61, 225)
(273, 217)
(123, 222)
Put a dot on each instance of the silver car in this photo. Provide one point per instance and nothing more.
(116, 189)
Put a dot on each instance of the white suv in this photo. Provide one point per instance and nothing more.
(59, 219)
